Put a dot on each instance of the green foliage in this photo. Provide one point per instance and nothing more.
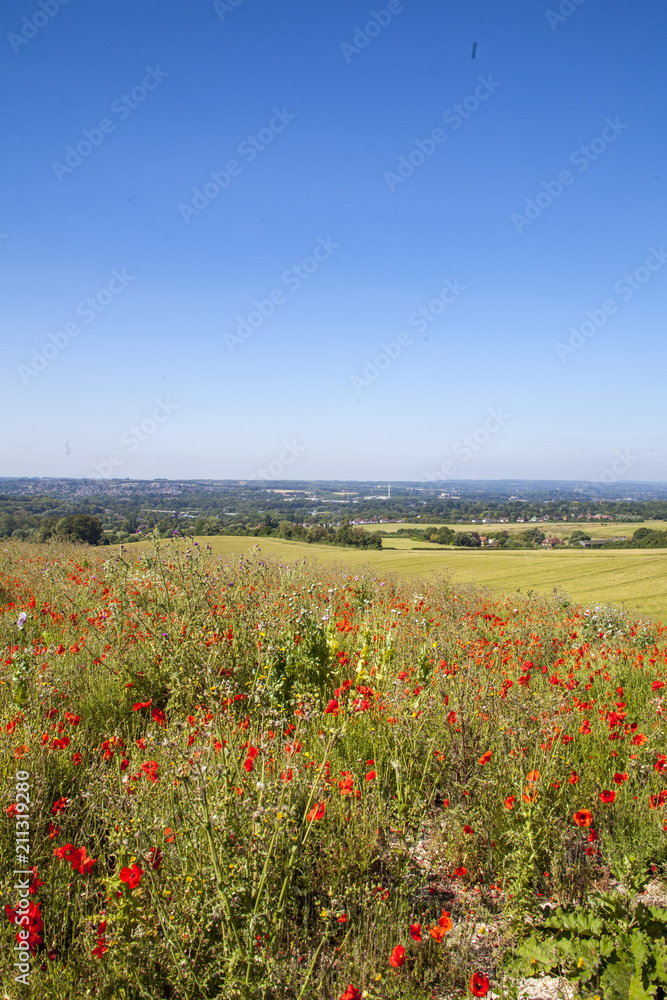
(645, 538)
(614, 947)
(466, 538)
(501, 537)
(301, 668)
(440, 536)
(80, 528)
(532, 535)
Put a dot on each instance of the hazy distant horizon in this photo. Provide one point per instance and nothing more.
(615, 487)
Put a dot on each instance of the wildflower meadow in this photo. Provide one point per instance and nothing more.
(241, 779)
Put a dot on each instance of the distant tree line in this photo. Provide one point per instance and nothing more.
(643, 538)
(343, 534)
(531, 538)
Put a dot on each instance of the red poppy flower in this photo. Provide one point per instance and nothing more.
(342, 918)
(77, 857)
(332, 708)
(351, 993)
(85, 864)
(661, 765)
(460, 872)
(437, 933)
(479, 985)
(416, 932)
(141, 704)
(36, 881)
(155, 856)
(607, 797)
(467, 829)
(533, 776)
(574, 778)
(35, 924)
(150, 770)
(169, 839)
(248, 765)
(347, 784)
(316, 813)
(586, 728)
(445, 921)
(620, 778)
(371, 776)
(486, 757)
(639, 740)
(656, 685)
(509, 802)
(158, 716)
(583, 817)
(397, 957)
(131, 875)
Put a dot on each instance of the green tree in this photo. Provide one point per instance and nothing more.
(466, 538)
(501, 537)
(532, 535)
(80, 528)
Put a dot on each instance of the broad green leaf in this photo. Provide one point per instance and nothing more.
(637, 991)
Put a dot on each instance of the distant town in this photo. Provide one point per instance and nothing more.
(127, 510)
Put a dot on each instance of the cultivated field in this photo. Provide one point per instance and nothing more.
(240, 780)
(637, 578)
(562, 529)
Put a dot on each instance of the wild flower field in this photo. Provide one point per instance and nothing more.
(252, 780)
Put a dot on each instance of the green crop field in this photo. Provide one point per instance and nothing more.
(634, 577)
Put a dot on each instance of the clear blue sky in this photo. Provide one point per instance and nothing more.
(305, 109)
